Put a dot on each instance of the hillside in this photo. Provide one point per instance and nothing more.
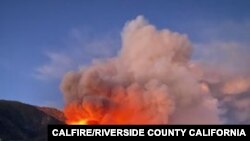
(23, 122)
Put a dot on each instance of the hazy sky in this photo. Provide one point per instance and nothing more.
(40, 40)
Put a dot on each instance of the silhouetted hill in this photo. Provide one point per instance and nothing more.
(53, 112)
(23, 122)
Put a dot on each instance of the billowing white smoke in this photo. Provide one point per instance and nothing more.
(224, 68)
(148, 82)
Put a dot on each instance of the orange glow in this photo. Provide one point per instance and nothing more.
(123, 114)
(76, 116)
(236, 86)
(125, 108)
(83, 122)
(79, 122)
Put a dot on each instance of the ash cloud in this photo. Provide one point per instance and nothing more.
(224, 68)
(151, 81)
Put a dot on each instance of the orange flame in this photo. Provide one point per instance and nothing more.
(79, 122)
(76, 116)
(132, 110)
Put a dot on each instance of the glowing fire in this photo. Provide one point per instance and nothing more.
(124, 114)
(83, 122)
(121, 107)
(76, 116)
(79, 122)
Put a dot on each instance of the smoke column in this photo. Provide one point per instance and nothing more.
(150, 81)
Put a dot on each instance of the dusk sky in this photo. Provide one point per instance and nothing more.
(40, 40)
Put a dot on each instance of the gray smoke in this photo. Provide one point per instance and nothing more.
(150, 81)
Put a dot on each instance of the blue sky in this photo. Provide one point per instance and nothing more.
(42, 39)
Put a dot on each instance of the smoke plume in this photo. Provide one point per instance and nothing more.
(224, 68)
(150, 81)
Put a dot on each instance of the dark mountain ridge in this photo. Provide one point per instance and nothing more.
(24, 122)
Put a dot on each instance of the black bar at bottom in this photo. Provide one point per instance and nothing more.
(78, 132)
